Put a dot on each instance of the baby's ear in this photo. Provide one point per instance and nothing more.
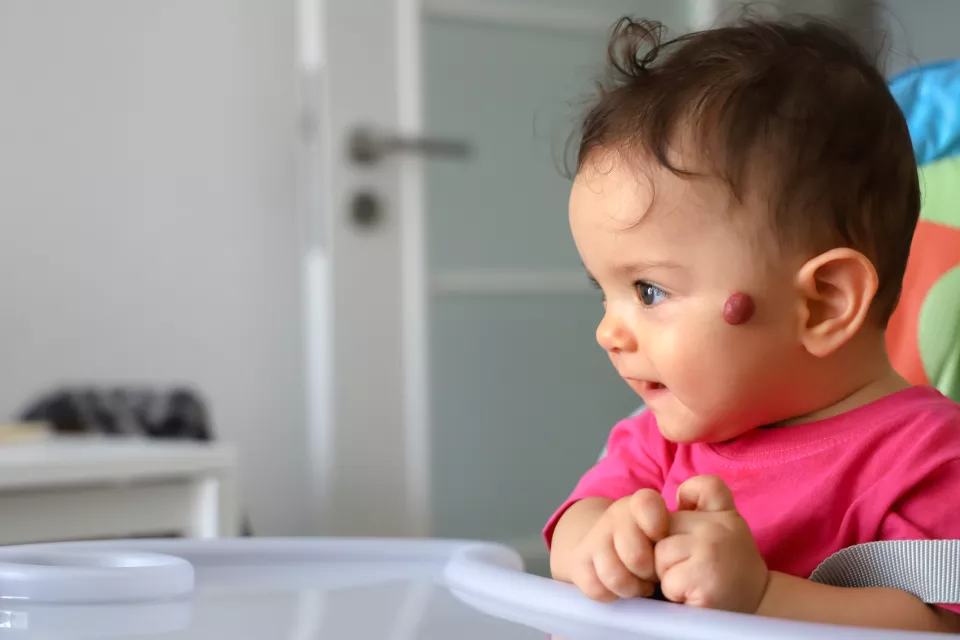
(837, 288)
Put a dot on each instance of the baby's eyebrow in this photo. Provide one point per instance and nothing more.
(634, 268)
(646, 265)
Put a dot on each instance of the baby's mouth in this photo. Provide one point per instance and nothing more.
(646, 386)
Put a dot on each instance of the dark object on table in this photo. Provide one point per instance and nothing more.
(178, 414)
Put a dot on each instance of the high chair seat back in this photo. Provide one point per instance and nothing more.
(923, 337)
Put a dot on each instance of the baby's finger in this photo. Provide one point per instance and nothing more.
(584, 577)
(671, 551)
(689, 522)
(651, 514)
(635, 551)
(677, 583)
(705, 493)
(616, 577)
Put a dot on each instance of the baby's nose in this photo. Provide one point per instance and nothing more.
(614, 335)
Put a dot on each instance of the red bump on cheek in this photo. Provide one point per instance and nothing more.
(738, 308)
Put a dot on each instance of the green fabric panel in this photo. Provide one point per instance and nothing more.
(939, 334)
(940, 185)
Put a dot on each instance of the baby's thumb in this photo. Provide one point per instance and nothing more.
(705, 493)
(650, 513)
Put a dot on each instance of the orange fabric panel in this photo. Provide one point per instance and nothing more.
(934, 251)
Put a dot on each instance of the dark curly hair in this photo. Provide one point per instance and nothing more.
(794, 111)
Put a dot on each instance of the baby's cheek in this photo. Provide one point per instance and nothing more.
(710, 369)
(693, 358)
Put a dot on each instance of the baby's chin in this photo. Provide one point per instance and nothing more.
(678, 431)
(687, 429)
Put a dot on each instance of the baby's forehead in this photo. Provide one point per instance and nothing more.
(622, 216)
(619, 195)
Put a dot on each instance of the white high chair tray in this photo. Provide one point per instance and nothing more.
(311, 589)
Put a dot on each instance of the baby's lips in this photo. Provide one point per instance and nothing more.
(647, 385)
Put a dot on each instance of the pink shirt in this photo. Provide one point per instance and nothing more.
(887, 471)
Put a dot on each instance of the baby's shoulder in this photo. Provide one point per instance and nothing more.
(921, 422)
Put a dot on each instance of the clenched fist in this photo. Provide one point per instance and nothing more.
(710, 558)
(615, 559)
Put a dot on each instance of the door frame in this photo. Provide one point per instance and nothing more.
(366, 363)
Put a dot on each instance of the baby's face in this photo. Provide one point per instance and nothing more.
(667, 253)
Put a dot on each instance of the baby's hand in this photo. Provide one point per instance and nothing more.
(710, 558)
(615, 559)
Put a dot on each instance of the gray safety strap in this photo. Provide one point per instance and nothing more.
(929, 569)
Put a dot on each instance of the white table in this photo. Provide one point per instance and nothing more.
(69, 489)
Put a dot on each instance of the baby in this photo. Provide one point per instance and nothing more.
(745, 199)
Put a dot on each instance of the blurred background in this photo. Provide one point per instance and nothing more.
(308, 263)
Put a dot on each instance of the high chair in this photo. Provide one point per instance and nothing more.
(923, 337)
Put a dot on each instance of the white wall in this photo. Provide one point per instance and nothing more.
(148, 216)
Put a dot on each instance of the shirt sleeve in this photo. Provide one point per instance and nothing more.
(928, 511)
(638, 457)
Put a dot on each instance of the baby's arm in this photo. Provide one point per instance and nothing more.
(571, 529)
(795, 598)
(601, 537)
(710, 559)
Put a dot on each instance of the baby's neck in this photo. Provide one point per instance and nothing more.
(854, 377)
(863, 395)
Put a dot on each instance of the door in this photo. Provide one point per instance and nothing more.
(521, 397)
(456, 387)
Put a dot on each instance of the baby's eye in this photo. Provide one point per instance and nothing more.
(650, 294)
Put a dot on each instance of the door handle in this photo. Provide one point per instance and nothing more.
(368, 147)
